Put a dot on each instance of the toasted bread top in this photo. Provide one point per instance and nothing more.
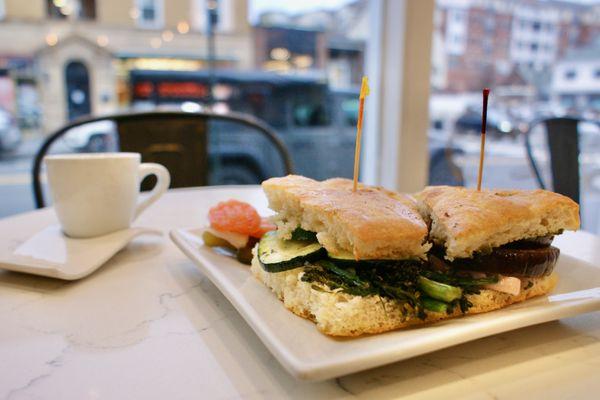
(466, 220)
(371, 223)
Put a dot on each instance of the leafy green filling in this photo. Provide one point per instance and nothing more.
(304, 235)
(409, 282)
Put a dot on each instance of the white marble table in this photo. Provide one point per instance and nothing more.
(148, 325)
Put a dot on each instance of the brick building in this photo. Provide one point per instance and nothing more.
(485, 39)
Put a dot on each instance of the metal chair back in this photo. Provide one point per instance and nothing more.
(177, 140)
(562, 135)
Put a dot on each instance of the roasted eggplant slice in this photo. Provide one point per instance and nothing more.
(513, 262)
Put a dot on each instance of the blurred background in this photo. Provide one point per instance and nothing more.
(297, 66)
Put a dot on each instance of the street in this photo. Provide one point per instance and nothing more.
(16, 193)
(15, 186)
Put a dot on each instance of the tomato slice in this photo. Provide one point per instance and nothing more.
(265, 226)
(234, 216)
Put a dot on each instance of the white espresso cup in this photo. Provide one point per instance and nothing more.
(96, 194)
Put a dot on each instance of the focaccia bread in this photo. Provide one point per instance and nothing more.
(466, 221)
(371, 223)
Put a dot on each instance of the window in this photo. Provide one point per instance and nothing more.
(487, 46)
(150, 13)
(570, 74)
(350, 111)
(302, 79)
(73, 9)
(567, 100)
(225, 15)
(2, 10)
(533, 74)
(87, 9)
(56, 12)
(308, 114)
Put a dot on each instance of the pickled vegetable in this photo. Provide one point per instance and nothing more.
(211, 240)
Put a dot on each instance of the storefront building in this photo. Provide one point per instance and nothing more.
(73, 57)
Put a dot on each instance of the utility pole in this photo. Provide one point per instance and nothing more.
(212, 18)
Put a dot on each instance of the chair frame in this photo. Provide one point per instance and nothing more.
(240, 118)
(529, 151)
(530, 158)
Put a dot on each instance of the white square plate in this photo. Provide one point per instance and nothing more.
(308, 354)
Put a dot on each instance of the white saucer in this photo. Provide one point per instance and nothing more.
(51, 253)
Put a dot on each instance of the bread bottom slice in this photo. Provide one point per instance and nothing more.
(341, 314)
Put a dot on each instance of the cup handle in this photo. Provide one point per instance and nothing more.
(163, 179)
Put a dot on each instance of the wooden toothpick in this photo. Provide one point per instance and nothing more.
(364, 92)
(486, 93)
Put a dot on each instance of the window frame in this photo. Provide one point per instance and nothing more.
(159, 15)
(570, 74)
(398, 52)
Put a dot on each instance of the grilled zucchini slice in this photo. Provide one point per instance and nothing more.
(277, 255)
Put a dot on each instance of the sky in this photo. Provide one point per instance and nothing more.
(291, 6)
(295, 6)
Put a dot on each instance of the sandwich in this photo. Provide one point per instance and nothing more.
(507, 233)
(374, 260)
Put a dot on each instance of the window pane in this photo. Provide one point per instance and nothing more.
(540, 60)
(296, 66)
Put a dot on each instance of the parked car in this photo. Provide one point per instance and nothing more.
(498, 125)
(10, 135)
(94, 137)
